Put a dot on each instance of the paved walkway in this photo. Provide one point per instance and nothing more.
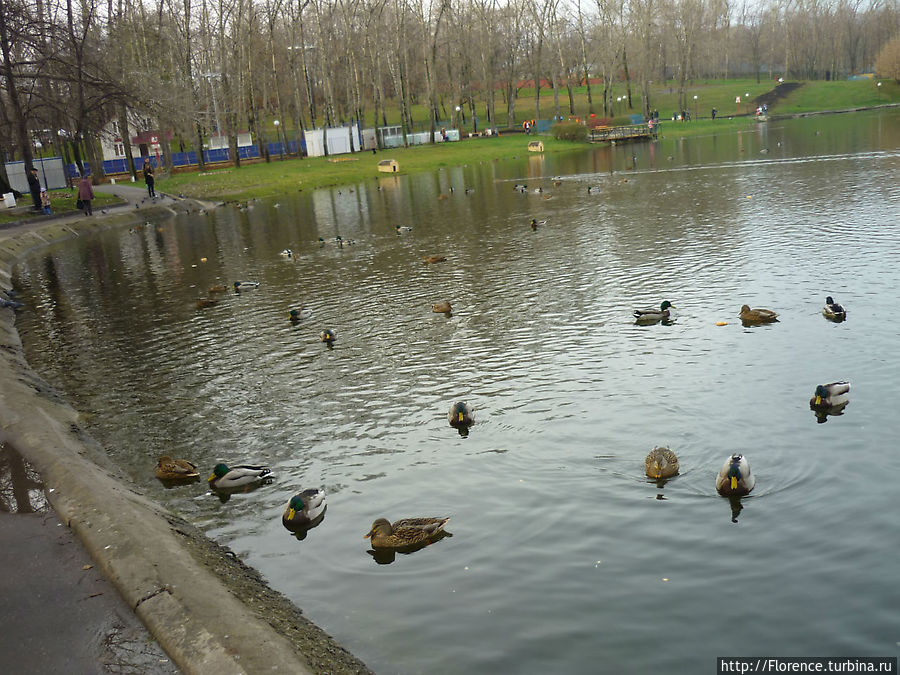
(59, 613)
(135, 198)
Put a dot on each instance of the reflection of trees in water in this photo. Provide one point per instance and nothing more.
(21, 487)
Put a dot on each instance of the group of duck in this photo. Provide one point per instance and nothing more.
(735, 478)
(306, 509)
(749, 317)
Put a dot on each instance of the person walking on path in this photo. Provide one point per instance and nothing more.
(85, 195)
(34, 186)
(45, 202)
(148, 178)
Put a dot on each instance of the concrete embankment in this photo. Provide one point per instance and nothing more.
(209, 612)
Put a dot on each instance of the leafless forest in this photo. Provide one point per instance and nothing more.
(202, 67)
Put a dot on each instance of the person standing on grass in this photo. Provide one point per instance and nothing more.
(148, 178)
(85, 195)
(45, 202)
(34, 187)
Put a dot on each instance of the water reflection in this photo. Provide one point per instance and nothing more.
(736, 507)
(822, 413)
(21, 487)
(386, 556)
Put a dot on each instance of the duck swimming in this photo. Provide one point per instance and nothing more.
(833, 311)
(405, 533)
(176, 469)
(661, 463)
(328, 336)
(240, 476)
(830, 396)
(245, 285)
(300, 314)
(734, 477)
(304, 508)
(441, 307)
(434, 258)
(654, 314)
(460, 415)
(757, 315)
(402, 228)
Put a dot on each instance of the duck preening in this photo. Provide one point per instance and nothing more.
(758, 315)
(661, 463)
(406, 533)
(833, 311)
(734, 477)
(304, 509)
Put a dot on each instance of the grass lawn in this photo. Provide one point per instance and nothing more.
(61, 201)
(281, 177)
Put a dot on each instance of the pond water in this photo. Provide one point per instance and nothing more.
(564, 557)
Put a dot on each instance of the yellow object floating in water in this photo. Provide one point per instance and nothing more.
(721, 323)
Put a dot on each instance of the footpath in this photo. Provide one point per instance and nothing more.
(209, 612)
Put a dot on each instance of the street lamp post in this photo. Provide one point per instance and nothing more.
(747, 100)
(280, 137)
(879, 92)
(38, 145)
(696, 110)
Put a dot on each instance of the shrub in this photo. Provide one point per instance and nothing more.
(887, 64)
(570, 131)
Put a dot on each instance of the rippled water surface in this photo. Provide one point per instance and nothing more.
(564, 557)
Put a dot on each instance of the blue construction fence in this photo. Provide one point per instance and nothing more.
(114, 166)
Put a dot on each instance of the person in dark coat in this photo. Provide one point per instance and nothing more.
(85, 195)
(148, 178)
(34, 186)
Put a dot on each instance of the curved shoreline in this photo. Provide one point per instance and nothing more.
(209, 611)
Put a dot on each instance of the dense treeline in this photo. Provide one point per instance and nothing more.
(201, 66)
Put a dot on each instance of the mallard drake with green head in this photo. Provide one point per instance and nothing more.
(757, 315)
(661, 463)
(176, 469)
(653, 313)
(734, 477)
(833, 311)
(300, 314)
(328, 336)
(304, 508)
(405, 533)
(830, 395)
(240, 476)
(460, 415)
